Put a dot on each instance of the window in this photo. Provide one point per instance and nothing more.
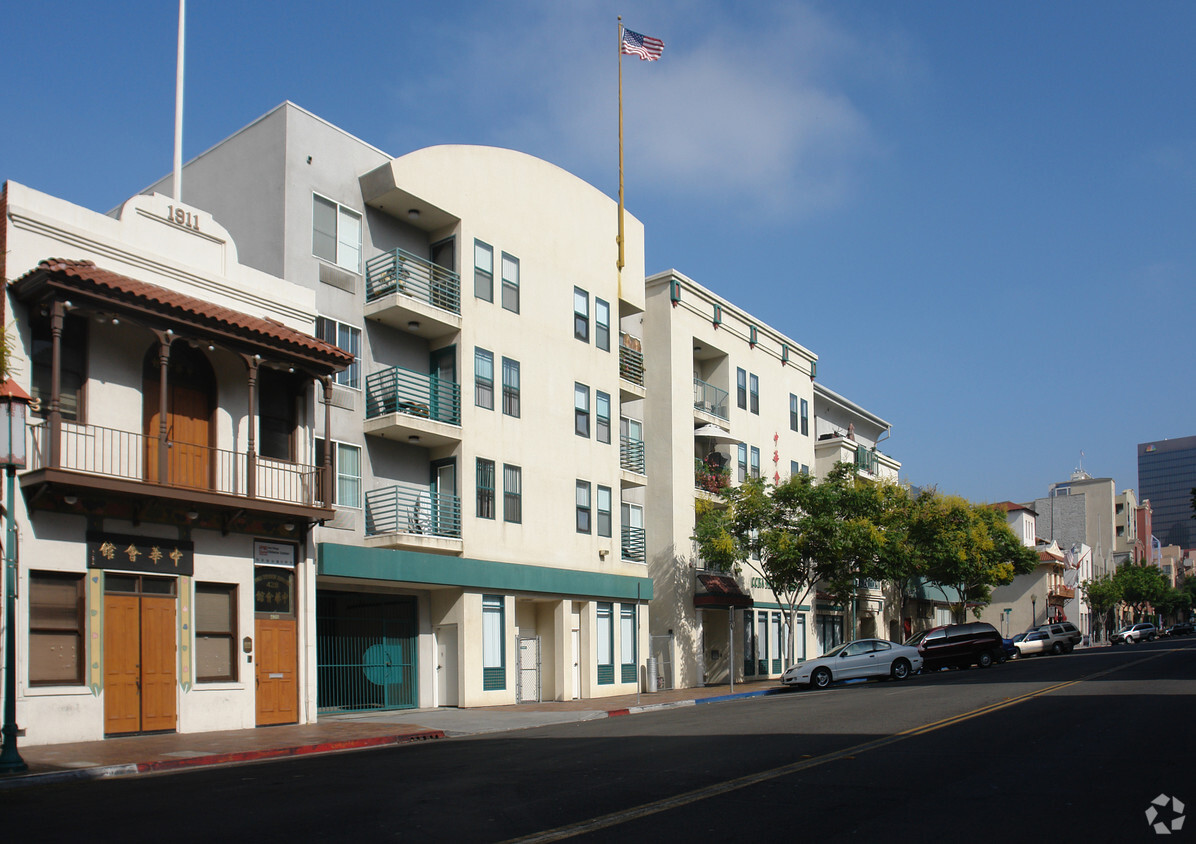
(346, 469)
(753, 335)
(604, 511)
(485, 488)
(755, 392)
(56, 643)
(602, 324)
(606, 643)
(510, 387)
(805, 470)
(581, 410)
(794, 468)
(583, 506)
(743, 464)
(215, 632)
(510, 282)
(755, 462)
(794, 415)
(805, 417)
(627, 643)
(483, 378)
(512, 494)
(483, 271)
(741, 388)
(344, 337)
(581, 314)
(602, 416)
(494, 657)
(336, 234)
(718, 315)
(73, 363)
(278, 400)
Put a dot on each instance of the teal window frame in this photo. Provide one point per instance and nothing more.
(605, 509)
(510, 387)
(483, 276)
(512, 494)
(581, 410)
(510, 283)
(743, 462)
(494, 651)
(602, 324)
(602, 416)
(805, 418)
(485, 488)
(581, 315)
(741, 388)
(794, 468)
(584, 521)
(754, 393)
(794, 416)
(604, 621)
(629, 670)
(755, 464)
(483, 378)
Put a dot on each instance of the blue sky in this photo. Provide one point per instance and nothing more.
(979, 215)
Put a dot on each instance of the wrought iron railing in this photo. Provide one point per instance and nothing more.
(95, 450)
(633, 544)
(710, 399)
(631, 361)
(399, 390)
(399, 271)
(631, 454)
(414, 509)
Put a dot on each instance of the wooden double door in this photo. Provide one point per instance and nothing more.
(140, 655)
(190, 386)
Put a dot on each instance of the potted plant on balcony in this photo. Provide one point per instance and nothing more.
(710, 476)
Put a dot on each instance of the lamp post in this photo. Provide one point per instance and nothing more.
(13, 402)
(1033, 610)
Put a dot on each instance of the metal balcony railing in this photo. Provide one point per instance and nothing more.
(631, 454)
(634, 544)
(710, 399)
(108, 452)
(414, 509)
(399, 390)
(399, 271)
(631, 360)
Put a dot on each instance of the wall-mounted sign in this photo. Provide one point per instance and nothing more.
(267, 553)
(273, 591)
(140, 553)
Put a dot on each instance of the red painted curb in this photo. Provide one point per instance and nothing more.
(277, 752)
(611, 713)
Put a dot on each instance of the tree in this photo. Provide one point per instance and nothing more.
(1101, 595)
(1142, 587)
(968, 548)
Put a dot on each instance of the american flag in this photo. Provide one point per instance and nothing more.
(644, 46)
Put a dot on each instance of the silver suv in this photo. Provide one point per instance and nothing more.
(1136, 633)
(1064, 636)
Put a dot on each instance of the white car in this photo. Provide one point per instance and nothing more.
(1033, 642)
(861, 658)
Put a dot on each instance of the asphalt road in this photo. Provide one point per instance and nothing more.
(1069, 748)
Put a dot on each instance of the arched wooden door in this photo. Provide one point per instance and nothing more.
(190, 392)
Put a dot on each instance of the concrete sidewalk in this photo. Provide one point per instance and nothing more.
(131, 755)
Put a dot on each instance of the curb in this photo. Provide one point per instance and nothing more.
(163, 765)
(651, 707)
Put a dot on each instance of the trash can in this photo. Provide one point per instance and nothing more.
(650, 680)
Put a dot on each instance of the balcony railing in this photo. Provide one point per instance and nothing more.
(399, 271)
(631, 454)
(710, 399)
(127, 455)
(399, 390)
(411, 508)
(633, 544)
(631, 360)
(1064, 592)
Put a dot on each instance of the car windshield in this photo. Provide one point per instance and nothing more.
(835, 651)
(916, 638)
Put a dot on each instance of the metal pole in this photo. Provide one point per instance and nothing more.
(10, 759)
(731, 646)
(178, 107)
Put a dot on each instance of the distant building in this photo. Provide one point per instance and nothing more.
(1166, 476)
(1081, 510)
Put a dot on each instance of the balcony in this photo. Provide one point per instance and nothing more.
(119, 474)
(422, 409)
(1059, 594)
(413, 517)
(412, 294)
(633, 544)
(631, 462)
(710, 400)
(631, 368)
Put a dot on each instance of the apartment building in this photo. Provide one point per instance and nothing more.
(486, 441)
(166, 577)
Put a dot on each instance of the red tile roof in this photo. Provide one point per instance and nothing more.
(87, 278)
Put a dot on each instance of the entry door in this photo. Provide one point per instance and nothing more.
(446, 665)
(445, 405)
(139, 664)
(446, 512)
(188, 411)
(576, 664)
(276, 662)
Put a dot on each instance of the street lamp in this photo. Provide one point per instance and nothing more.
(1033, 609)
(13, 403)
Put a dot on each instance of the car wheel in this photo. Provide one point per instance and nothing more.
(985, 660)
(1057, 648)
(1150, 638)
(820, 679)
(900, 669)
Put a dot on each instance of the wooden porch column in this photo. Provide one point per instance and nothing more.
(57, 318)
(252, 363)
(163, 405)
(326, 481)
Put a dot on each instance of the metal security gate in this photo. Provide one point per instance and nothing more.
(662, 649)
(365, 652)
(527, 687)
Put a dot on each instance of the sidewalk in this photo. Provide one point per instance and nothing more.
(128, 756)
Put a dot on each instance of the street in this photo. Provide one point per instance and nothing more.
(1049, 748)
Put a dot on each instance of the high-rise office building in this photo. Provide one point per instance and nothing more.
(1166, 476)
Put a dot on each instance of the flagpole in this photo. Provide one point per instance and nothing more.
(178, 108)
(619, 239)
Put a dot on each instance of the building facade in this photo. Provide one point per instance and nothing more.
(1166, 476)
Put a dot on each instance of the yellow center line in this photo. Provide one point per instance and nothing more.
(686, 798)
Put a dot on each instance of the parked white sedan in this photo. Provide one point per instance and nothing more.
(861, 658)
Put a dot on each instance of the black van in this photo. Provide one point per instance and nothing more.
(958, 645)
